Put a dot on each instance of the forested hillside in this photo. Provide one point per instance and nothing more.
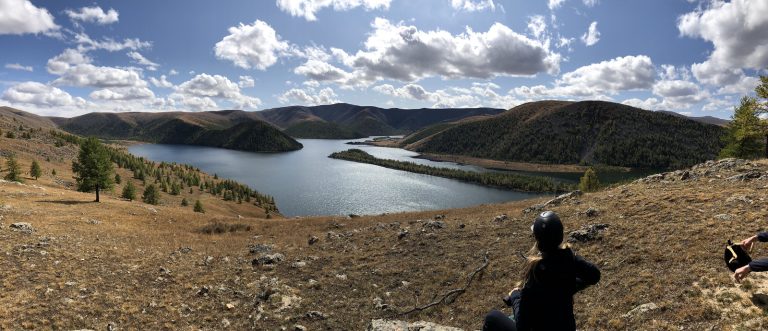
(587, 132)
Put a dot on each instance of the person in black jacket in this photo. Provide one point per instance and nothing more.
(545, 299)
(755, 265)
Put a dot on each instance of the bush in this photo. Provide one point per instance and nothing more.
(219, 227)
(589, 182)
(35, 170)
(129, 191)
(151, 195)
(118, 180)
(184, 202)
(199, 207)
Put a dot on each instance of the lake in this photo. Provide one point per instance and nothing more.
(308, 182)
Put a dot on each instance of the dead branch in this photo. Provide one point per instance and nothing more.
(455, 293)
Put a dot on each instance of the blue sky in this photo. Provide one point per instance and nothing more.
(66, 58)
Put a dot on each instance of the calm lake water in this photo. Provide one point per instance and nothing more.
(308, 182)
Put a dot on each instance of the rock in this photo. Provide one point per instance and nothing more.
(93, 221)
(203, 291)
(403, 233)
(501, 218)
(385, 325)
(379, 304)
(315, 315)
(341, 277)
(461, 225)
(298, 264)
(313, 240)
(439, 217)
(259, 249)
(225, 323)
(230, 305)
(724, 217)
(268, 259)
(739, 199)
(561, 198)
(685, 175)
(299, 327)
(745, 176)
(165, 271)
(185, 250)
(534, 208)
(591, 212)
(22, 227)
(432, 224)
(208, 260)
(641, 309)
(332, 235)
(587, 233)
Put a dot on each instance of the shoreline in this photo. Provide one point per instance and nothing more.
(509, 165)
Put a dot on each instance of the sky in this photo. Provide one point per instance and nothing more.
(67, 58)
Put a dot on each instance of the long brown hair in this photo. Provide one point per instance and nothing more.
(532, 260)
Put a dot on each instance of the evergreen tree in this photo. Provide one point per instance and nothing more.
(35, 170)
(129, 191)
(745, 132)
(762, 93)
(589, 182)
(184, 202)
(93, 167)
(10, 135)
(118, 180)
(199, 207)
(151, 195)
(14, 171)
(53, 172)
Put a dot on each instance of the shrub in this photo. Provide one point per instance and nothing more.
(151, 195)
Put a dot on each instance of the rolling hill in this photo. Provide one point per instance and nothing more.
(586, 132)
(362, 121)
(233, 129)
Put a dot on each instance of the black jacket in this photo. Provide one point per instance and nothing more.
(546, 300)
(760, 264)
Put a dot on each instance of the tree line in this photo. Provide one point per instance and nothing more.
(496, 179)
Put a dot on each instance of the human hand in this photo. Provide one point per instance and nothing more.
(747, 243)
(742, 273)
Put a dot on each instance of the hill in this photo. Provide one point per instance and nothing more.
(124, 265)
(363, 120)
(702, 119)
(587, 132)
(11, 116)
(320, 130)
(233, 129)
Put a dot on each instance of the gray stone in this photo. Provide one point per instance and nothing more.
(268, 259)
(259, 249)
(641, 309)
(387, 325)
(501, 218)
(403, 233)
(313, 240)
(724, 217)
(587, 233)
(22, 227)
(434, 224)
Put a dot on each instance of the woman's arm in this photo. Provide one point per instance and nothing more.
(747, 243)
(587, 274)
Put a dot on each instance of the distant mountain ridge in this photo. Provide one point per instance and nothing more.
(586, 132)
(364, 121)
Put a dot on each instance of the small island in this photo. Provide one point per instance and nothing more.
(495, 179)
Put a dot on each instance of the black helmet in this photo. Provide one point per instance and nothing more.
(548, 230)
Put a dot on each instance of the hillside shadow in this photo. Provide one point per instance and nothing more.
(66, 202)
(760, 300)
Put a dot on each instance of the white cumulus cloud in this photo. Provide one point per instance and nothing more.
(309, 96)
(251, 46)
(473, 5)
(41, 95)
(198, 93)
(21, 16)
(140, 59)
(308, 8)
(592, 36)
(554, 4)
(94, 15)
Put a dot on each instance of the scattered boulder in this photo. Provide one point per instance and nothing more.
(315, 316)
(93, 221)
(341, 277)
(641, 309)
(591, 212)
(587, 233)
(299, 327)
(724, 217)
(501, 218)
(402, 234)
(185, 250)
(23, 227)
(439, 217)
(563, 197)
(432, 224)
(298, 264)
(268, 259)
(312, 240)
(379, 304)
(385, 325)
(259, 249)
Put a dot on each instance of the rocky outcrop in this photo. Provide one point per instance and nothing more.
(385, 325)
